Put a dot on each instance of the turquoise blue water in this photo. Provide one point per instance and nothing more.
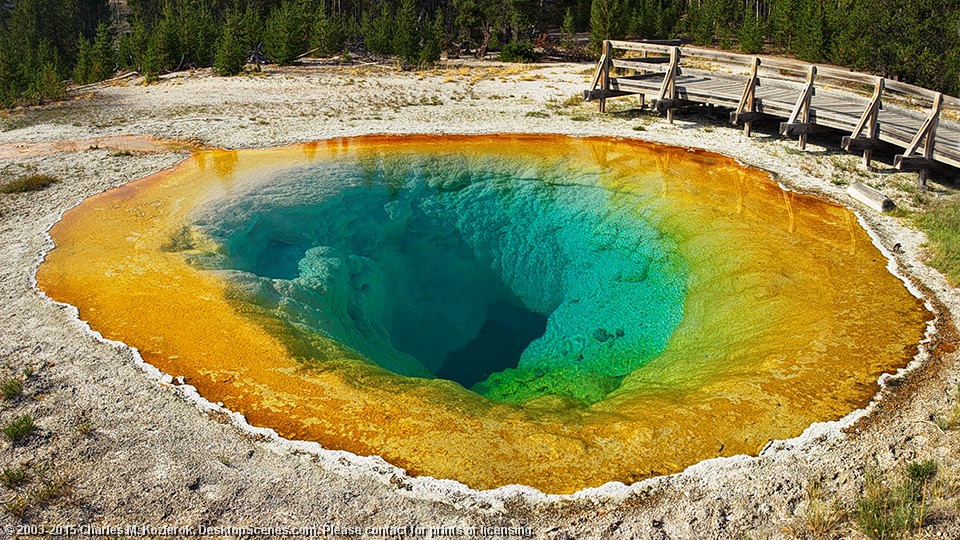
(499, 278)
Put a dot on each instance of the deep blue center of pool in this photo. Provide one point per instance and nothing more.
(514, 285)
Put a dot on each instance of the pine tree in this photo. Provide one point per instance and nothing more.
(199, 32)
(45, 81)
(783, 17)
(811, 39)
(522, 17)
(82, 69)
(378, 32)
(406, 37)
(133, 46)
(434, 37)
(606, 21)
(103, 64)
(10, 83)
(47, 84)
(569, 29)
(329, 36)
(166, 39)
(751, 33)
(231, 53)
(701, 24)
(285, 35)
(151, 61)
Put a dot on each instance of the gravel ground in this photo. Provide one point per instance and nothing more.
(117, 445)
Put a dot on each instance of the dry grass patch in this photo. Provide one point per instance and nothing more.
(824, 518)
(31, 182)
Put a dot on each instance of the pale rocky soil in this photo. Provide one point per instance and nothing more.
(115, 446)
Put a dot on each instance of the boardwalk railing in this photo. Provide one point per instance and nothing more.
(808, 97)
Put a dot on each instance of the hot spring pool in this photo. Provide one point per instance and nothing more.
(544, 310)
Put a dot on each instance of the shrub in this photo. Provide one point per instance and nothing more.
(920, 472)
(518, 51)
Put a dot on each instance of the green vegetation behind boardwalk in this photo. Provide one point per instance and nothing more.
(44, 44)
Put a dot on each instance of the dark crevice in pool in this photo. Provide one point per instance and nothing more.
(279, 260)
(508, 330)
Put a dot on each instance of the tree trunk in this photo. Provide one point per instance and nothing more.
(487, 31)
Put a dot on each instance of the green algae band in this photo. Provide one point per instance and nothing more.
(405, 260)
(542, 310)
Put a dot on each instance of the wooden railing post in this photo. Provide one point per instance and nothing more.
(668, 89)
(801, 111)
(868, 120)
(746, 109)
(926, 134)
(588, 94)
(605, 58)
(931, 139)
(873, 124)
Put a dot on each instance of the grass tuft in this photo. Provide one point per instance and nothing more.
(888, 513)
(921, 472)
(33, 182)
(822, 517)
(14, 477)
(19, 428)
(16, 506)
(573, 101)
(52, 485)
(10, 388)
(48, 491)
(84, 426)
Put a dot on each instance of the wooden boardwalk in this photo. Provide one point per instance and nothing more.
(808, 97)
